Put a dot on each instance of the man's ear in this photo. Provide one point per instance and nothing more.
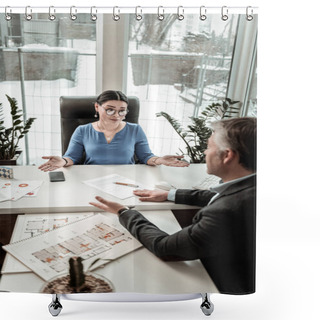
(229, 156)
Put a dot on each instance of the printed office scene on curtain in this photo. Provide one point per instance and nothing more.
(94, 114)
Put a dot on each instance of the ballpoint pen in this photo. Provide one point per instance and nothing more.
(127, 184)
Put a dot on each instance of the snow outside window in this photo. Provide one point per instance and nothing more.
(59, 58)
(179, 67)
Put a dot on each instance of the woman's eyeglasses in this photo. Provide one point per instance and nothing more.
(111, 112)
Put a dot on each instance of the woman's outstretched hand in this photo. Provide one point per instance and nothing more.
(172, 161)
(54, 162)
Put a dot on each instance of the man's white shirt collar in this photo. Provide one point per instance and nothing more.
(219, 188)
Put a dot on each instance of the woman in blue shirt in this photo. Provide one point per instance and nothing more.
(110, 140)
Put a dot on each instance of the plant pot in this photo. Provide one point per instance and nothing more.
(16, 160)
(94, 283)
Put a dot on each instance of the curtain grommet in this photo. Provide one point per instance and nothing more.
(8, 16)
(160, 15)
(224, 13)
(116, 16)
(52, 16)
(73, 13)
(203, 13)
(249, 16)
(138, 15)
(180, 13)
(93, 15)
(28, 13)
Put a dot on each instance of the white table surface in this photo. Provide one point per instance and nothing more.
(73, 195)
(139, 271)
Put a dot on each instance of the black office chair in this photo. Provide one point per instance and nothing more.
(75, 111)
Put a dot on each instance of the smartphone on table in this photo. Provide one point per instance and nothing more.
(56, 176)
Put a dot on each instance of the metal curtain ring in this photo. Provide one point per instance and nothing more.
(8, 16)
(52, 16)
(93, 15)
(28, 15)
(116, 17)
(224, 13)
(179, 14)
(203, 13)
(249, 16)
(160, 15)
(73, 16)
(138, 15)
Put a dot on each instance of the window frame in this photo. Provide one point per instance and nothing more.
(111, 44)
(243, 60)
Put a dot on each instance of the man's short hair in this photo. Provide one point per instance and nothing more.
(240, 135)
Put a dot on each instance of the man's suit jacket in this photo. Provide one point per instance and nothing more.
(222, 235)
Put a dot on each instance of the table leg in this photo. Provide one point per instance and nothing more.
(7, 222)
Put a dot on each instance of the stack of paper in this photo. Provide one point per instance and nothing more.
(97, 239)
(15, 189)
(116, 185)
(31, 225)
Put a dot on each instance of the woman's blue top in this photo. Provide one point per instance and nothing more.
(126, 143)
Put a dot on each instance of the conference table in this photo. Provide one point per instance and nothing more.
(73, 195)
(138, 271)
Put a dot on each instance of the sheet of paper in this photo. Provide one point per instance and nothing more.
(107, 184)
(94, 237)
(31, 225)
(5, 190)
(4, 197)
(16, 189)
(32, 193)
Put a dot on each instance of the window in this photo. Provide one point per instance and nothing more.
(41, 60)
(181, 67)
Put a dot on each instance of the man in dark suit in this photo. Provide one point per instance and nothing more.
(222, 233)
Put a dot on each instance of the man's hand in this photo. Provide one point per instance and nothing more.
(151, 195)
(106, 205)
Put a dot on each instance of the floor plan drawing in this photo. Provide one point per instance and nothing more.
(30, 225)
(97, 239)
(94, 242)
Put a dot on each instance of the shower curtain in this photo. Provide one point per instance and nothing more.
(187, 68)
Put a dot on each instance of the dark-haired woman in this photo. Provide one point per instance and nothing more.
(110, 140)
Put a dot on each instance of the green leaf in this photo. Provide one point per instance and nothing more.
(9, 137)
(197, 133)
(17, 122)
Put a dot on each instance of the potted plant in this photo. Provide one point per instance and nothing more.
(10, 136)
(198, 132)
